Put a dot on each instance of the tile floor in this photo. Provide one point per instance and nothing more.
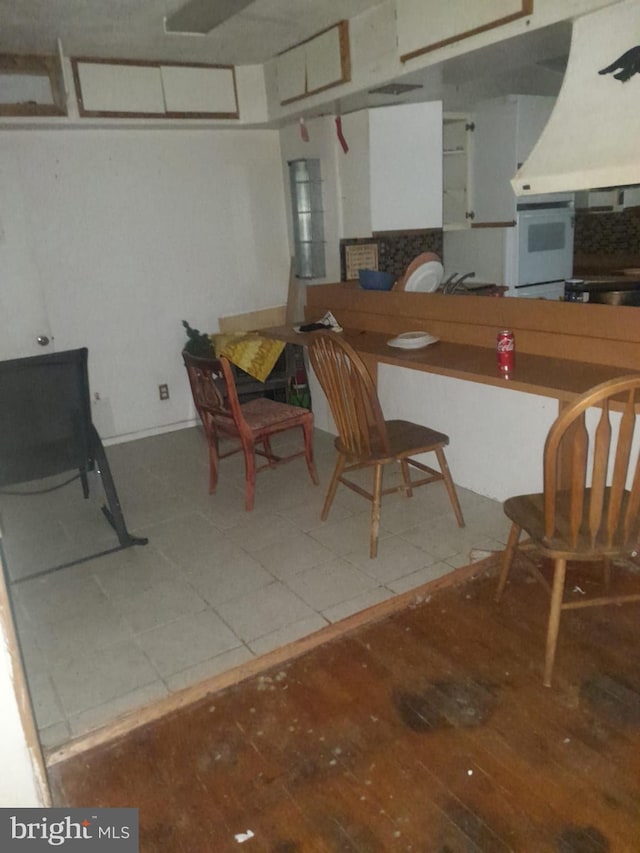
(215, 586)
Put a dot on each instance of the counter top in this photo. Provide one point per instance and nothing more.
(558, 378)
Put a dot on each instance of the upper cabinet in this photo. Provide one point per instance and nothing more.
(319, 63)
(608, 199)
(31, 86)
(421, 30)
(391, 176)
(506, 130)
(153, 90)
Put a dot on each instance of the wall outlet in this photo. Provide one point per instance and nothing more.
(163, 391)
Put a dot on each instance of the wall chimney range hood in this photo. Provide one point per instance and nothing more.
(592, 138)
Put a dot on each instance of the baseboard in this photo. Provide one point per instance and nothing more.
(147, 433)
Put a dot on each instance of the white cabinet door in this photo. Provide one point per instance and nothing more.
(406, 166)
(494, 160)
(120, 88)
(426, 26)
(190, 89)
(506, 131)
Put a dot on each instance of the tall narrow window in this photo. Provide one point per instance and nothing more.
(308, 220)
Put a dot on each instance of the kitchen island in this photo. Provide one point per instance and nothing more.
(497, 426)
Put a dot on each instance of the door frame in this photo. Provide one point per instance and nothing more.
(26, 753)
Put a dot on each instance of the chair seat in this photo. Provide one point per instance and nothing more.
(527, 511)
(263, 413)
(405, 439)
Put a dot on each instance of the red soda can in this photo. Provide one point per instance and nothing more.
(506, 351)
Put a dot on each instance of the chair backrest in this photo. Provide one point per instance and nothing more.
(214, 392)
(351, 393)
(595, 489)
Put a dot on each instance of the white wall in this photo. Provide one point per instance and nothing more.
(496, 434)
(22, 780)
(132, 231)
(20, 784)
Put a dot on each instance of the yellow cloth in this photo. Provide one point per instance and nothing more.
(219, 340)
(252, 353)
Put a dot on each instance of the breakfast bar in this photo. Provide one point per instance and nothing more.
(497, 425)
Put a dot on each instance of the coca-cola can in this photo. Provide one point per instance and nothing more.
(506, 351)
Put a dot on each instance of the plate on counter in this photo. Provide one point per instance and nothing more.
(413, 340)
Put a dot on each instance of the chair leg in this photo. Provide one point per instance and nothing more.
(451, 489)
(249, 452)
(554, 618)
(507, 560)
(375, 511)
(266, 443)
(333, 485)
(213, 464)
(406, 476)
(307, 429)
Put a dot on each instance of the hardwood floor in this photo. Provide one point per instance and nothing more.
(427, 731)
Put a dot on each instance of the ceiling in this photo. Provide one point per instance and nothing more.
(134, 29)
(532, 63)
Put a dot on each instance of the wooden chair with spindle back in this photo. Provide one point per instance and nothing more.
(365, 439)
(590, 507)
(251, 424)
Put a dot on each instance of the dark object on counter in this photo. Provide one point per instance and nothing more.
(622, 292)
(313, 327)
(626, 65)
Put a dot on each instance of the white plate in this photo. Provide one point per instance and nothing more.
(426, 278)
(413, 340)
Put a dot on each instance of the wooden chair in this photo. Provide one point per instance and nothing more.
(251, 424)
(587, 511)
(365, 439)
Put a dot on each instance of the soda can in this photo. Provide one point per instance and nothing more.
(506, 351)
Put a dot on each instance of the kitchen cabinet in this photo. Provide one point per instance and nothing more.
(420, 32)
(31, 86)
(314, 65)
(506, 130)
(391, 177)
(457, 174)
(608, 198)
(149, 89)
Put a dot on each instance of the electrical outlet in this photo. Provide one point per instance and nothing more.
(163, 391)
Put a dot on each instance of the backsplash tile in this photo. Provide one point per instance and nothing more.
(396, 251)
(615, 233)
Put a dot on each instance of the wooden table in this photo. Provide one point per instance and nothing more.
(562, 379)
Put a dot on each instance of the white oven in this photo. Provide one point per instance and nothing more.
(540, 251)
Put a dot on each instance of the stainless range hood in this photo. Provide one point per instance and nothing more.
(592, 138)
